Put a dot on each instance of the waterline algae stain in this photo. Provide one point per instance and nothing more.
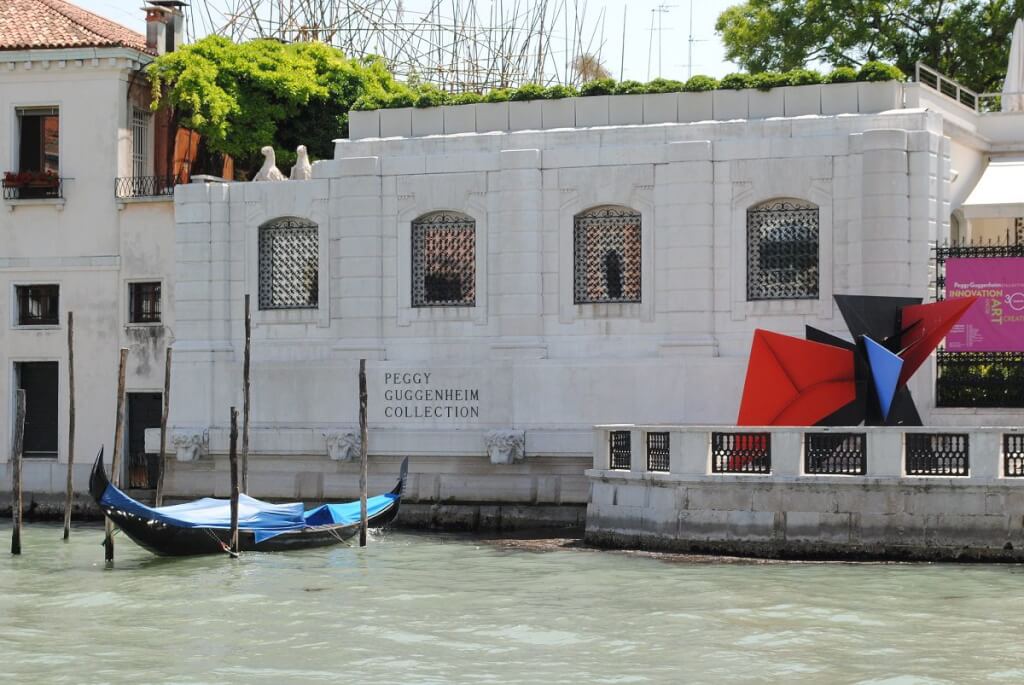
(444, 609)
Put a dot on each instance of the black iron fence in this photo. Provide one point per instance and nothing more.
(50, 189)
(835, 453)
(741, 453)
(657, 452)
(619, 450)
(977, 379)
(1013, 455)
(937, 454)
(144, 186)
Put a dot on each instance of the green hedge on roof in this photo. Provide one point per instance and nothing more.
(427, 95)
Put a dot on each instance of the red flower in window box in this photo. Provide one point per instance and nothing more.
(30, 179)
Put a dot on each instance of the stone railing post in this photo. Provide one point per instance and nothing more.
(787, 448)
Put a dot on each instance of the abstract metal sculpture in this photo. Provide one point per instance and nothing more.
(825, 380)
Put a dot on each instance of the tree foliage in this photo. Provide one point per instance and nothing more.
(240, 97)
(968, 40)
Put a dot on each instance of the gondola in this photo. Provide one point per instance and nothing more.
(203, 526)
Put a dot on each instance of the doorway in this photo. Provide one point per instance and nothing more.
(144, 411)
(40, 382)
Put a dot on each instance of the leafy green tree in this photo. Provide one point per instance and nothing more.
(243, 96)
(968, 40)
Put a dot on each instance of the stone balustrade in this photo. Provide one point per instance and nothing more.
(867, 492)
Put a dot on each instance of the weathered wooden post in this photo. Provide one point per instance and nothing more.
(245, 399)
(162, 460)
(233, 458)
(71, 425)
(362, 453)
(16, 503)
(115, 466)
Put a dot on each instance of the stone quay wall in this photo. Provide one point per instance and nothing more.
(884, 512)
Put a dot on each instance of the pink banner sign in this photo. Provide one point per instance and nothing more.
(995, 323)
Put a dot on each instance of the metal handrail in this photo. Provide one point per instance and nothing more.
(982, 103)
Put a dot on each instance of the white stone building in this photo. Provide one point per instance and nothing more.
(518, 272)
(79, 233)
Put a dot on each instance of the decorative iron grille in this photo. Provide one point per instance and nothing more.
(1018, 230)
(835, 453)
(741, 453)
(289, 264)
(606, 255)
(444, 260)
(937, 454)
(144, 186)
(619, 450)
(657, 452)
(1013, 455)
(782, 250)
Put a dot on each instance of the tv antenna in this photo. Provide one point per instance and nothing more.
(689, 49)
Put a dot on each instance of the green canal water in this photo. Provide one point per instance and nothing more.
(422, 608)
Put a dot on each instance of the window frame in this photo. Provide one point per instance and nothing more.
(16, 308)
(441, 219)
(753, 267)
(132, 285)
(39, 111)
(592, 213)
(279, 225)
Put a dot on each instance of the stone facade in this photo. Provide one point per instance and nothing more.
(525, 356)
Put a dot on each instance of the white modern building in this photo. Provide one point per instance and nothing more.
(82, 231)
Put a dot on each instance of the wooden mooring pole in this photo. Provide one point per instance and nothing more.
(245, 399)
(233, 458)
(362, 453)
(19, 441)
(115, 466)
(162, 459)
(70, 490)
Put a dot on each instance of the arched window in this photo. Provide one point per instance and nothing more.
(444, 260)
(289, 268)
(607, 255)
(782, 250)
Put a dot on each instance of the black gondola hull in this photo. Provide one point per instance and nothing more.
(168, 540)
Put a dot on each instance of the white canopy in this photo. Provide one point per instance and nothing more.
(1013, 86)
(999, 192)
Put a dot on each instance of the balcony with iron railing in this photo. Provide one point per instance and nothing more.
(140, 187)
(32, 185)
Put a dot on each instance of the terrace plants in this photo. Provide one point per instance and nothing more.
(30, 179)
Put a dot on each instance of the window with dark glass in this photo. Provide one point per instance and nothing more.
(606, 255)
(782, 250)
(38, 305)
(144, 302)
(444, 260)
(39, 139)
(41, 383)
(289, 268)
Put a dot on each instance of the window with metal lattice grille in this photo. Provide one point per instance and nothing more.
(289, 269)
(782, 250)
(444, 260)
(140, 142)
(606, 255)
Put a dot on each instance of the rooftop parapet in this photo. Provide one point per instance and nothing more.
(620, 110)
